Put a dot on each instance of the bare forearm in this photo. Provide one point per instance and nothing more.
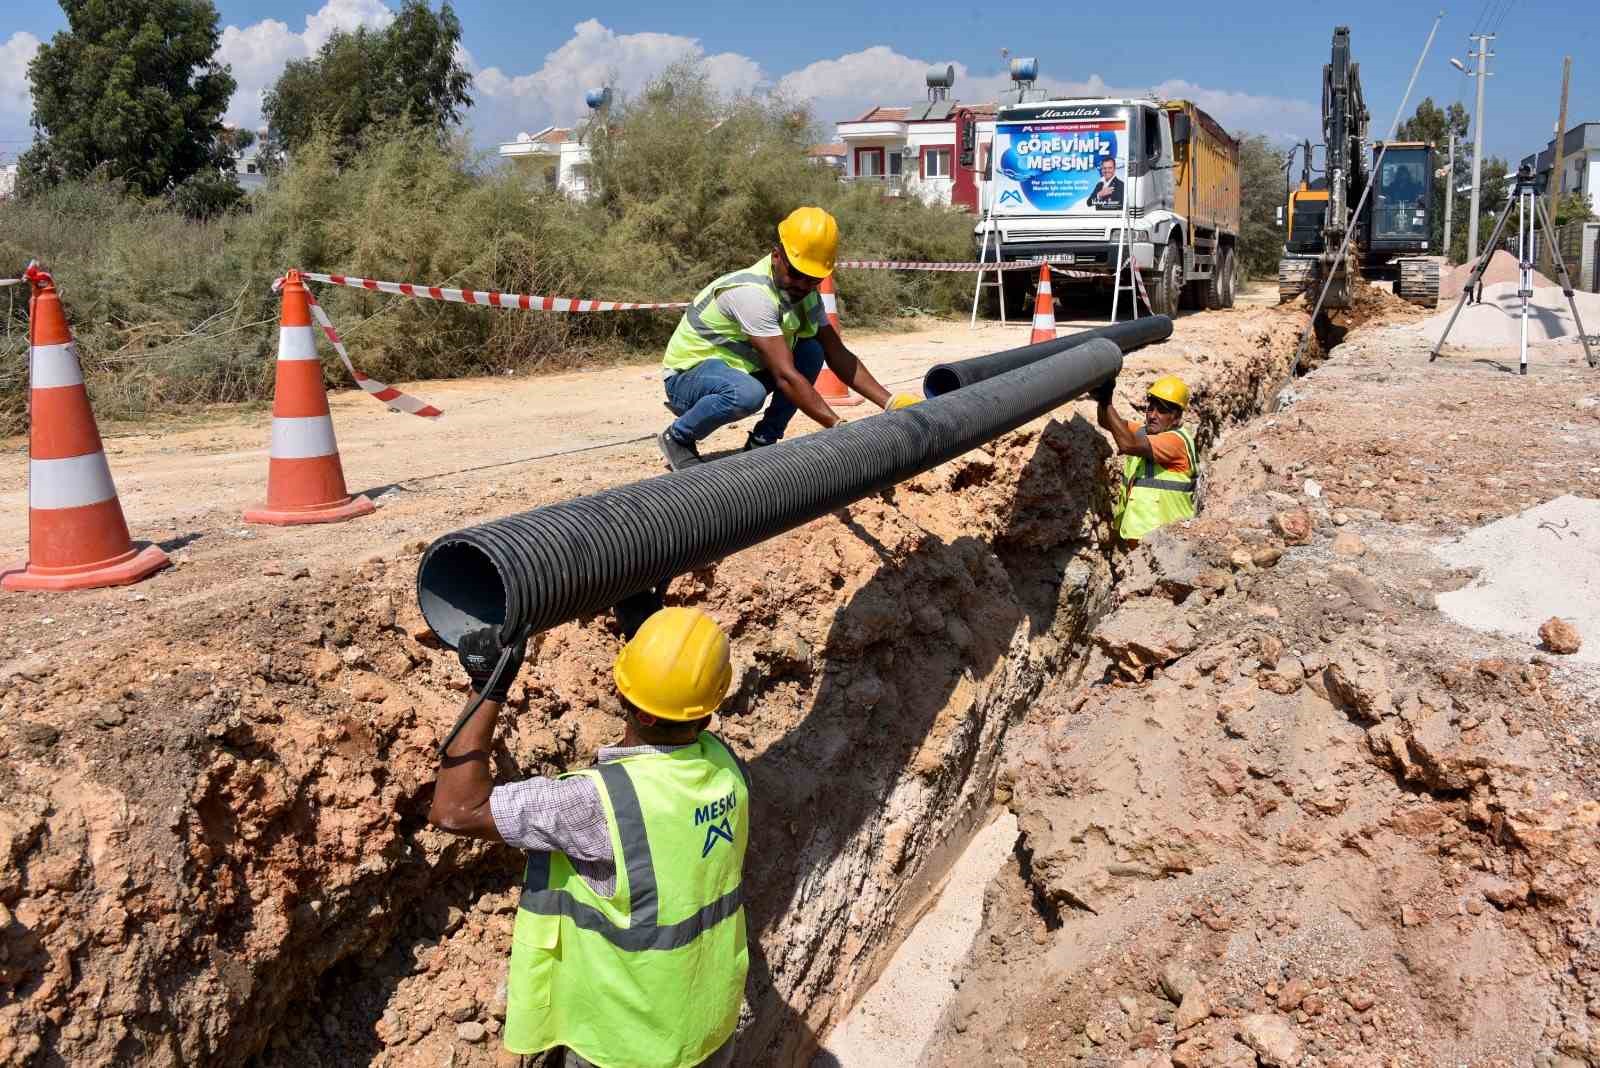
(1128, 442)
(461, 792)
(851, 371)
(793, 385)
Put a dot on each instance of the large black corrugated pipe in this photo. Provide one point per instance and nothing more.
(1136, 333)
(537, 569)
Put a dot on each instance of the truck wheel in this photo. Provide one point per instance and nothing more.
(1167, 281)
(1230, 276)
(1216, 295)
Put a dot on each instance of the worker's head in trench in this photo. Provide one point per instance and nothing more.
(1164, 404)
(672, 675)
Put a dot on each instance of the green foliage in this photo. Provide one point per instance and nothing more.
(1262, 193)
(132, 91)
(1433, 125)
(405, 74)
(1573, 207)
(172, 311)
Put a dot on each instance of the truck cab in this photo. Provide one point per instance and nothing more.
(1066, 177)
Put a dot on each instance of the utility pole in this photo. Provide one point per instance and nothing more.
(1449, 195)
(1560, 142)
(1482, 72)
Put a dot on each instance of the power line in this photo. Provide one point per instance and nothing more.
(1483, 9)
(1509, 5)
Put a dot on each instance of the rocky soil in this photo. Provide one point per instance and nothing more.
(1290, 814)
(212, 787)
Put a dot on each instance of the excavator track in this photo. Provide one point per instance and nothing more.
(1295, 276)
(1418, 282)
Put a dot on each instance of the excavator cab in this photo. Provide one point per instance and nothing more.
(1402, 199)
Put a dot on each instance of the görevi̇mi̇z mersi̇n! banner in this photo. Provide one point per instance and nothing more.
(1061, 165)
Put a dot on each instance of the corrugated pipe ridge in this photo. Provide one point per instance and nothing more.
(948, 377)
(537, 569)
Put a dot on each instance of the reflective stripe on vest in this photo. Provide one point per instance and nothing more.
(705, 333)
(604, 976)
(1152, 497)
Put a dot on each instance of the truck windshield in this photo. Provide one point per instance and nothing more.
(1400, 209)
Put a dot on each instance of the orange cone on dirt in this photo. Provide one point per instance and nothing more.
(77, 536)
(305, 481)
(1044, 309)
(833, 391)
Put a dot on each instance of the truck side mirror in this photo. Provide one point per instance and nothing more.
(1279, 222)
(1180, 136)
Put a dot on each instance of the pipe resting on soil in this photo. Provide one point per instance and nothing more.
(1136, 334)
(528, 572)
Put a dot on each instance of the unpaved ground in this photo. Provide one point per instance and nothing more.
(1291, 814)
(212, 784)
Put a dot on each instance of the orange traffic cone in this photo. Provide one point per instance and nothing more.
(77, 536)
(305, 481)
(833, 391)
(1044, 309)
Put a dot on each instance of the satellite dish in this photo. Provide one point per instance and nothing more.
(598, 99)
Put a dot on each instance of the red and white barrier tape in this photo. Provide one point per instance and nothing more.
(492, 298)
(394, 398)
(10, 281)
(910, 265)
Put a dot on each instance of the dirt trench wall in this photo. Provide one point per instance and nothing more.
(211, 830)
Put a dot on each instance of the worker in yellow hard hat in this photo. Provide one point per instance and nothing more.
(1162, 465)
(757, 331)
(629, 944)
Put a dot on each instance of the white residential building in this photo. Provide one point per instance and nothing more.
(1580, 162)
(553, 155)
(936, 151)
(8, 180)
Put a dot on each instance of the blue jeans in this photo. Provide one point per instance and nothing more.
(712, 394)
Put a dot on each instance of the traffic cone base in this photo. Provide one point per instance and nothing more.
(77, 535)
(834, 391)
(132, 566)
(305, 479)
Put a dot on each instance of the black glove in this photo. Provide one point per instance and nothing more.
(480, 652)
(633, 610)
(1105, 391)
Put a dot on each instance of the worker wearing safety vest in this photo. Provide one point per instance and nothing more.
(758, 331)
(629, 944)
(1162, 466)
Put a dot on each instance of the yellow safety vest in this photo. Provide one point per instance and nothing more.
(652, 976)
(705, 333)
(1153, 496)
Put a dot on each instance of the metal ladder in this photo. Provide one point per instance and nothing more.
(999, 272)
(1135, 286)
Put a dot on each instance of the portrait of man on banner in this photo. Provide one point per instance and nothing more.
(1107, 195)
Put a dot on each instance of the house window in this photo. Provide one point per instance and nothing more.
(249, 168)
(896, 161)
(936, 161)
(869, 162)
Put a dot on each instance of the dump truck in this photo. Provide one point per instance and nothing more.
(1388, 239)
(1065, 177)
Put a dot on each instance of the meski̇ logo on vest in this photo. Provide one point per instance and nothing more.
(708, 815)
(1055, 166)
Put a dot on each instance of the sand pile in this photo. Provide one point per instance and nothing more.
(1502, 268)
(1497, 322)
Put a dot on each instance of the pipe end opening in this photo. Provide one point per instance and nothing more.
(459, 590)
(939, 381)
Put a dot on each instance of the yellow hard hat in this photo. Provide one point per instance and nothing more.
(810, 239)
(1171, 389)
(676, 666)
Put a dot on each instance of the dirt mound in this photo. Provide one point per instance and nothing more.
(1496, 322)
(1502, 268)
(1293, 815)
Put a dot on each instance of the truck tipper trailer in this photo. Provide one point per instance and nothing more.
(1063, 174)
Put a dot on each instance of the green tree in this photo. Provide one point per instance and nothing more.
(1262, 193)
(1494, 187)
(406, 74)
(1433, 125)
(131, 90)
(1572, 207)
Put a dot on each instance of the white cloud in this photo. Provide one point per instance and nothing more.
(593, 56)
(257, 52)
(16, 101)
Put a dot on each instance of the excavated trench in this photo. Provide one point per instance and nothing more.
(273, 894)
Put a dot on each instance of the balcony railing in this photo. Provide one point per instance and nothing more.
(892, 185)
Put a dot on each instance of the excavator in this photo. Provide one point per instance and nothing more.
(1390, 239)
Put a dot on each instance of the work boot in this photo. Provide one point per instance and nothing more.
(752, 442)
(678, 455)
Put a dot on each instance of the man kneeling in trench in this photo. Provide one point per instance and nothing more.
(629, 946)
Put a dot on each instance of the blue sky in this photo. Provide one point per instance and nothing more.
(1257, 66)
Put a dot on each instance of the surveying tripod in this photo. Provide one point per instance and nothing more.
(1530, 212)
